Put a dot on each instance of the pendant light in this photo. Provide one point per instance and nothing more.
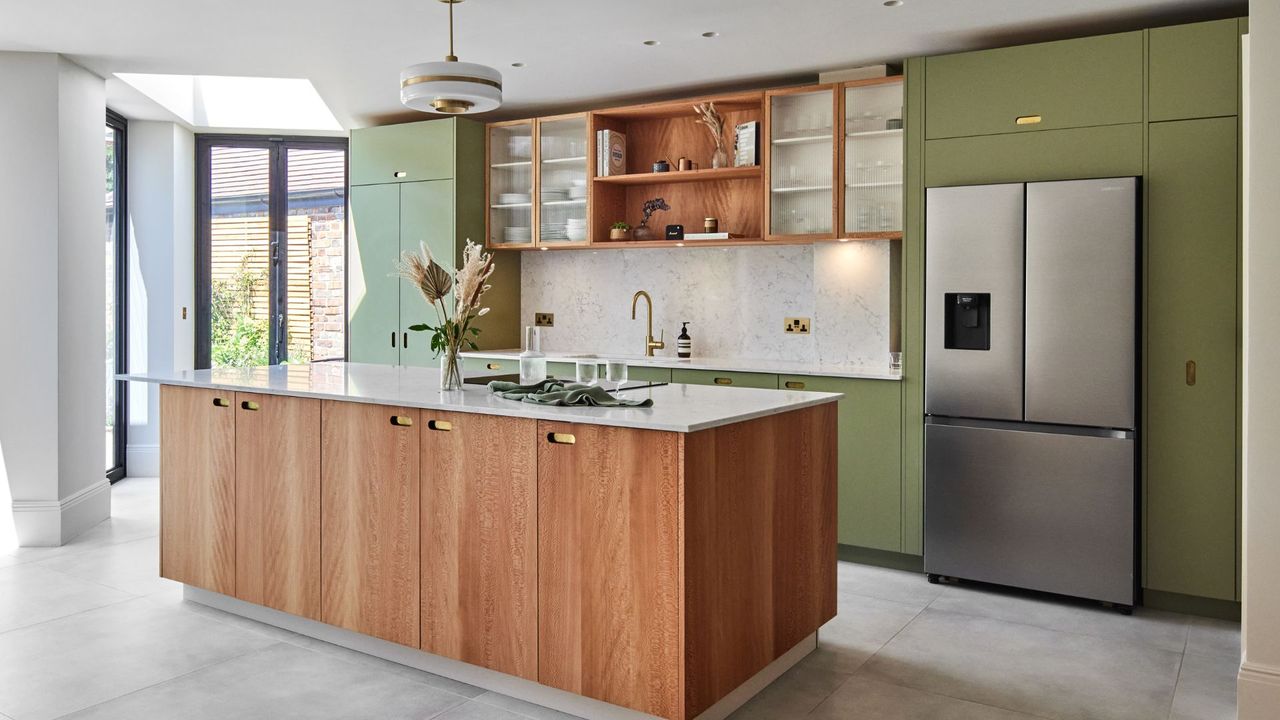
(450, 87)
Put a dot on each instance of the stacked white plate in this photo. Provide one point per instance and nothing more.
(514, 198)
(575, 229)
(552, 231)
(554, 194)
(577, 192)
(516, 234)
(520, 146)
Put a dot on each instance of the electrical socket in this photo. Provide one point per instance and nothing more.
(544, 319)
(796, 326)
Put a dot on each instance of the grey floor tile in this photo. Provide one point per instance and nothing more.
(522, 708)
(1219, 638)
(132, 567)
(902, 587)
(476, 710)
(1206, 689)
(1028, 669)
(64, 665)
(795, 694)
(1167, 631)
(861, 627)
(30, 594)
(869, 699)
(280, 682)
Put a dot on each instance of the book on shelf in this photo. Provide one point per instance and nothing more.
(611, 153)
(746, 144)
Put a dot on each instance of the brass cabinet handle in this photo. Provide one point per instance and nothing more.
(794, 385)
(441, 425)
(1191, 372)
(221, 402)
(494, 366)
(1028, 120)
(561, 438)
(250, 405)
(724, 381)
(401, 421)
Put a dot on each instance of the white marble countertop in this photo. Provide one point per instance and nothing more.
(775, 367)
(676, 408)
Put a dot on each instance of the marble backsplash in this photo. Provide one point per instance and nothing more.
(735, 300)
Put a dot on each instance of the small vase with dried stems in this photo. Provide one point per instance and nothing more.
(714, 121)
(434, 282)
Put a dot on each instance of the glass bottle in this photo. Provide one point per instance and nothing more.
(533, 364)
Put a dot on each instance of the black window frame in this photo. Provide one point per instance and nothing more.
(278, 193)
(120, 124)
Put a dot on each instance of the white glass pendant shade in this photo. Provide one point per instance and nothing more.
(450, 87)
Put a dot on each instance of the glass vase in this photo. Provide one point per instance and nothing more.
(450, 371)
(720, 158)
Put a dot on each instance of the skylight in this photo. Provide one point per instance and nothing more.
(248, 103)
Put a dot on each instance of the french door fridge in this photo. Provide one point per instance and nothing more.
(1030, 377)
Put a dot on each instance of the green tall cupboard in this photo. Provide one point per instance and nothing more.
(414, 184)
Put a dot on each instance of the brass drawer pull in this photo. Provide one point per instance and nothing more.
(441, 425)
(561, 438)
(221, 402)
(1029, 120)
(401, 421)
(794, 385)
(250, 405)
(1191, 372)
(494, 366)
(724, 381)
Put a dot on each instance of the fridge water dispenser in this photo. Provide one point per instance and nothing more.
(968, 321)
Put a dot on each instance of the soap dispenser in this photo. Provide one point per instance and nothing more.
(684, 343)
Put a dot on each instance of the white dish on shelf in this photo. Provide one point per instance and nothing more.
(514, 198)
(579, 182)
(577, 192)
(576, 234)
(554, 194)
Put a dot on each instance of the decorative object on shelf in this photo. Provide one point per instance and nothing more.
(620, 231)
(684, 163)
(746, 144)
(434, 282)
(684, 343)
(675, 232)
(893, 124)
(450, 87)
(662, 166)
(643, 231)
(708, 116)
(710, 225)
(611, 153)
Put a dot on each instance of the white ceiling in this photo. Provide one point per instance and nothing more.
(579, 53)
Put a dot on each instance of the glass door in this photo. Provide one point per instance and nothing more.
(873, 159)
(511, 184)
(562, 180)
(801, 161)
(116, 427)
(272, 250)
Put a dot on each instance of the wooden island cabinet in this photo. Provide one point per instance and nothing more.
(649, 559)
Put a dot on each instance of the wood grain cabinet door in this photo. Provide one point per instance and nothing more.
(479, 540)
(197, 488)
(369, 520)
(609, 582)
(278, 502)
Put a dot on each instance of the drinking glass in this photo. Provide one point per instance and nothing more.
(587, 372)
(616, 373)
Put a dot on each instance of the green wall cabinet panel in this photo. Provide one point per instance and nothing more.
(727, 379)
(870, 459)
(913, 242)
(373, 299)
(1194, 71)
(403, 153)
(426, 217)
(1110, 151)
(1191, 316)
(1069, 83)
(561, 370)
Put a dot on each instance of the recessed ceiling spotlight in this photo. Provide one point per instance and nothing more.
(893, 3)
(710, 34)
(517, 64)
(651, 43)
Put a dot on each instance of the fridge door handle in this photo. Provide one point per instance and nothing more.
(1191, 373)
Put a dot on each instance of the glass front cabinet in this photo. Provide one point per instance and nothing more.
(801, 156)
(510, 186)
(562, 180)
(873, 159)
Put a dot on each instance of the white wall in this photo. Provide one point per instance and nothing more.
(162, 275)
(1259, 681)
(52, 295)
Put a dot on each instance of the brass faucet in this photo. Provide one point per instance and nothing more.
(649, 343)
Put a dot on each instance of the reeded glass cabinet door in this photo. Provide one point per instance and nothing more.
(801, 162)
(562, 180)
(511, 183)
(873, 158)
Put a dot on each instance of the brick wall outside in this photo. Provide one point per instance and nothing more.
(327, 282)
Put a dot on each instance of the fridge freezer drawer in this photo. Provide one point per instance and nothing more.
(1046, 511)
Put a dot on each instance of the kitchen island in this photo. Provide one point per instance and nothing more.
(608, 562)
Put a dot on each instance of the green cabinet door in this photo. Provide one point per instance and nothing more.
(373, 296)
(648, 374)
(1194, 71)
(403, 153)
(1190, 421)
(1069, 83)
(480, 367)
(869, 432)
(426, 217)
(726, 379)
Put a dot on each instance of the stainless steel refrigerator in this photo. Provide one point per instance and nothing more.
(1030, 391)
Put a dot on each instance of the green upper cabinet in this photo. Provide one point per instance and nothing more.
(1194, 71)
(1066, 84)
(373, 300)
(727, 379)
(403, 153)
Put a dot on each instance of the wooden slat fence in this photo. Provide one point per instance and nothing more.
(245, 242)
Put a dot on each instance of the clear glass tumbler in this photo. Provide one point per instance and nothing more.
(587, 372)
(616, 373)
